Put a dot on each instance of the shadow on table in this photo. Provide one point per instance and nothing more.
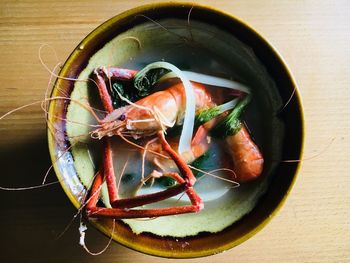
(32, 220)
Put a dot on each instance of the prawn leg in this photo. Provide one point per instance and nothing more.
(121, 207)
(121, 212)
(101, 74)
(184, 184)
(116, 213)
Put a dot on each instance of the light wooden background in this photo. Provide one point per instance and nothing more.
(312, 36)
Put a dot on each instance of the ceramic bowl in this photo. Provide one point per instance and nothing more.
(201, 38)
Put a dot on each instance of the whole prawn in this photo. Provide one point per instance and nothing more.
(153, 115)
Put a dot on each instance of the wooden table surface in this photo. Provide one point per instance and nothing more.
(314, 39)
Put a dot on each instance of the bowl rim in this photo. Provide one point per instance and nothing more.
(129, 14)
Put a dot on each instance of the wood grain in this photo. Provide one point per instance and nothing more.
(312, 36)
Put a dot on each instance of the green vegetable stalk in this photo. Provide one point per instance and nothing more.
(209, 114)
(231, 124)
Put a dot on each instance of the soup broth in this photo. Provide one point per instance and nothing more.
(190, 47)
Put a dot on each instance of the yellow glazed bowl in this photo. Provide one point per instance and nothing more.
(240, 48)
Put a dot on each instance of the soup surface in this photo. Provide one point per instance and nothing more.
(201, 48)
